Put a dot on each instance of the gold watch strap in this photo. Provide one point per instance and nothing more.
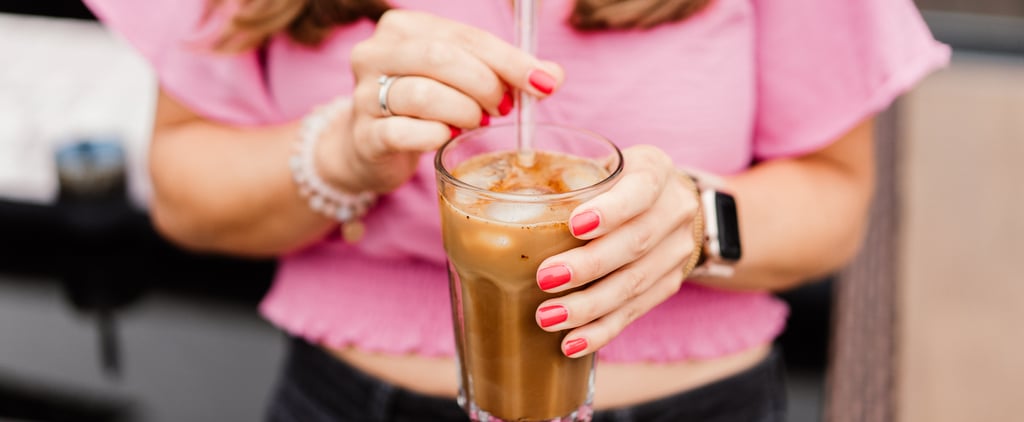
(697, 224)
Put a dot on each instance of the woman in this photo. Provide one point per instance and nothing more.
(777, 98)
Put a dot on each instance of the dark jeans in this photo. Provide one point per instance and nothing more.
(316, 387)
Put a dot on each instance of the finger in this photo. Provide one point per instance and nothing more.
(436, 59)
(404, 134)
(645, 172)
(633, 240)
(425, 99)
(595, 335)
(622, 286)
(515, 67)
(605, 254)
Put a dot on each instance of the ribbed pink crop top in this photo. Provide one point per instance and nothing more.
(744, 80)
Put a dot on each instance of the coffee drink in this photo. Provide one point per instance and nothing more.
(496, 234)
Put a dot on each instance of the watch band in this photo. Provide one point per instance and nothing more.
(698, 228)
(721, 247)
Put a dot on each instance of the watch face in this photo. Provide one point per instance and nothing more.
(728, 226)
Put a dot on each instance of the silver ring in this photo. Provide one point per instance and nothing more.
(385, 82)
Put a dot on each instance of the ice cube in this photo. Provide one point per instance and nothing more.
(486, 177)
(483, 179)
(480, 240)
(496, 240)
(462, 197)
(579, 177)
(515, 212)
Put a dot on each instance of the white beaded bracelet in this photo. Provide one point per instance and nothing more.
(345, 208)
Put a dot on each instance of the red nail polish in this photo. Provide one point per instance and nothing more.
(551, 315)
(551, 277)
(543, 81)
(584, 222)
(486, 120)
(455, 131)
(506, 104)
(574, 346)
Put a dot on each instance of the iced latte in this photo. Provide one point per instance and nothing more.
(499, 222)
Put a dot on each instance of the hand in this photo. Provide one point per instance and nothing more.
(453, 76)
(642, 238)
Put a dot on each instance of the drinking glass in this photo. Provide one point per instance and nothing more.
(510, 369)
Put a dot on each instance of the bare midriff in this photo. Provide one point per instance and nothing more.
(617, 384)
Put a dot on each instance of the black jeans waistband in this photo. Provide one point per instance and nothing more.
(317, 387)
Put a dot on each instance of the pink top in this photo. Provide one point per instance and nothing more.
(744, 80)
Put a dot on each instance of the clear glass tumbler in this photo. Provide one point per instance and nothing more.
(499, 221)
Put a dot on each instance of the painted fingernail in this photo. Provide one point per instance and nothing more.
(486, 120)
(542, 80)
(455, 131)
(506, 104)
(584, 222)
(574, 346)
(551, 315)
(551, 277)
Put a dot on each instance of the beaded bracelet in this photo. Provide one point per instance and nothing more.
(345, 208)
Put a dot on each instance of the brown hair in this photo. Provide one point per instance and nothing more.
(309, 21)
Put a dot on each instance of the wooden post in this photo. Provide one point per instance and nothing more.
(861, 377)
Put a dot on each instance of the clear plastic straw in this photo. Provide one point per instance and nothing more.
(526, 39)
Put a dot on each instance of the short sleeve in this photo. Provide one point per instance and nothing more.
(174, 37)
(823, 66)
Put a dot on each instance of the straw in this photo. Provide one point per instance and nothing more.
(526, 39)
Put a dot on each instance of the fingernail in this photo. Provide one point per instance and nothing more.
(551, 277)
(543, 81)
(486, 120)
(455, 131)
(551, 315)
(584, 222)
(574, 346)
(506, 104)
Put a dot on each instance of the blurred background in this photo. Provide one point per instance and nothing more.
(100, 320)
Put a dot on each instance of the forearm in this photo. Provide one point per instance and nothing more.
(229, 190)
(802, 218)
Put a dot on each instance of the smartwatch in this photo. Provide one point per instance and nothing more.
(721, 228)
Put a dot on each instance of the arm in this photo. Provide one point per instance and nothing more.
(225, 189)
(800, 218)
(228, 189)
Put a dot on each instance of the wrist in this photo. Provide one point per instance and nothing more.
(696, 225)
(721, 244)
(329, 155)
(344, 206)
